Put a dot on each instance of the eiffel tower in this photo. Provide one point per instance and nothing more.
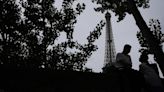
(110, 53)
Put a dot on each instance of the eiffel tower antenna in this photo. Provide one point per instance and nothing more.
(110, 53)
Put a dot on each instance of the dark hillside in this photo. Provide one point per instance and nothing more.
(26, 80)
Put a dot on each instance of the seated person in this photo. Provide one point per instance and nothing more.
(123, 60)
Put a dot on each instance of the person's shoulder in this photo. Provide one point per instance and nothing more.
(119, 53)
(128, 55)
(144, 65)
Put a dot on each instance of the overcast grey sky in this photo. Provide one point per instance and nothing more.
(124, 32)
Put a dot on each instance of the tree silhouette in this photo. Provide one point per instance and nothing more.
(10, 39)
(121, 8)
(155, 29)
(37, 25)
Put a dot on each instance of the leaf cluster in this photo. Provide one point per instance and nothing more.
(119, 7)
(155, 29)
(28, 37)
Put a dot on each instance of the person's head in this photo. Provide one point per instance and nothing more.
(143, 58)
(126, 49)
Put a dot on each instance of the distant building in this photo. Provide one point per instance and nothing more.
(110, 53)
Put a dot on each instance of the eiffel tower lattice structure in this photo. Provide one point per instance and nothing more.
(110, 53)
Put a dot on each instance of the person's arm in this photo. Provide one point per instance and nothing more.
(118, 57)
(130, 61)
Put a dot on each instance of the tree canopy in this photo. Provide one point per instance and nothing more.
(155, 28)
(119, 7)
(35, 25)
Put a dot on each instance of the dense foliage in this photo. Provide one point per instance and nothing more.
(28, 28)
(155, 29)
(119, 7)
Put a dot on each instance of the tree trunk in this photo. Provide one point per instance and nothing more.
(154, 47)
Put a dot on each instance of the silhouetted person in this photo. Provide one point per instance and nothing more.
(123, 66)
(123, 60)
(152, 81)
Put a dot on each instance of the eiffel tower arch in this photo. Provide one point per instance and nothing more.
(110, 53)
